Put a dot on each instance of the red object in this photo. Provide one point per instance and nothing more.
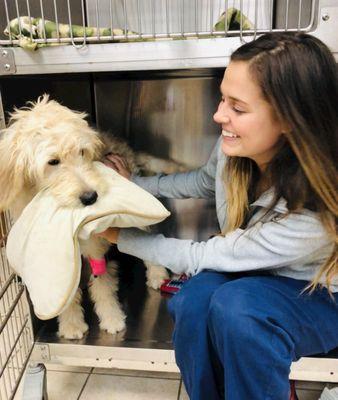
(98, 266)
(293, 394)
(172, 286)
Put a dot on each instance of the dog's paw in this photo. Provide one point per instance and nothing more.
(113, 324)
(73, 330)
(155, 276)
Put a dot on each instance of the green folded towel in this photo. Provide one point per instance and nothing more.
(233, 21)
(36, 28)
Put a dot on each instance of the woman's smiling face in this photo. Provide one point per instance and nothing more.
(249, 126)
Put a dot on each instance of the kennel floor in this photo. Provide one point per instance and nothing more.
(145, 343)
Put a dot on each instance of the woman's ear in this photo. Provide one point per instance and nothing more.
(285, 128)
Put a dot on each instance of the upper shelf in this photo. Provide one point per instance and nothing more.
(164, 52)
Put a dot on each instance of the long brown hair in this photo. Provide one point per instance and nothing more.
(298, 76)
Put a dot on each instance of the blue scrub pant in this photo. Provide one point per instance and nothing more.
(236, 335)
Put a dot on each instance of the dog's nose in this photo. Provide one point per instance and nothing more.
(88, 198)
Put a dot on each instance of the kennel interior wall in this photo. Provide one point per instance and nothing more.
(160, 96)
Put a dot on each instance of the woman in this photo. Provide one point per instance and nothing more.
(263, 293)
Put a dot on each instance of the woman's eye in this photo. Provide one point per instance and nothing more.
(238, 111)
(54, 161)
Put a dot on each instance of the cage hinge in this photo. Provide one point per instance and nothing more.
(7, 62)
(43, 350)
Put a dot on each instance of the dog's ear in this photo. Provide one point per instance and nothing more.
(98, 148)
(13, 165)
(95, 146)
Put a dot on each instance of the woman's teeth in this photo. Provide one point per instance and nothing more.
(229, 134)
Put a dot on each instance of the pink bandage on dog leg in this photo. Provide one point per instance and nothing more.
(98, 266)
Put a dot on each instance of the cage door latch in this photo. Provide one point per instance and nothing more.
(7, 63)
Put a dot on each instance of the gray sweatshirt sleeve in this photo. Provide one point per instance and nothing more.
(199, 183)
(296, 239)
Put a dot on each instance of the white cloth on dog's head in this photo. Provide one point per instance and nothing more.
(43, 245)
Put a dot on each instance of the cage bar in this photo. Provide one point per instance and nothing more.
(144, 20)
(16, 333)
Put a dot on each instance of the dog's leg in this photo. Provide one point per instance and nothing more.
(103, 292)
(150, 163)
(156, 274)
(71, 322)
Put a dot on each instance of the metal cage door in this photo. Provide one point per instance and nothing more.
(16, 331)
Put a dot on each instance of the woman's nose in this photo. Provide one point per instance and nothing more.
(221, 116)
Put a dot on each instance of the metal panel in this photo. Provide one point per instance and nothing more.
(291, 14)
(168, 115)
(174, 16)
(73, 91)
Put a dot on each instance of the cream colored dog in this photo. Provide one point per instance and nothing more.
(50, 146)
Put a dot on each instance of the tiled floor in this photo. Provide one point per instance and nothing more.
(73, 383)
(82, 383)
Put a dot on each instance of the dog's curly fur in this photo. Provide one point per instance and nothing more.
(50, 146)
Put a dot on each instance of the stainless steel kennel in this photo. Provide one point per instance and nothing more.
(150, 76)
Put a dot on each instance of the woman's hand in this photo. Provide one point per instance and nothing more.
(118, 164)
(110, 234)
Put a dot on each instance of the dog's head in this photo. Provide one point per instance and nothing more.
(48, 146)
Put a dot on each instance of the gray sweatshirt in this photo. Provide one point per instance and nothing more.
(294, 246)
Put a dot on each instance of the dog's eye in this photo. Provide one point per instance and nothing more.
(82, 152)
(54, 161)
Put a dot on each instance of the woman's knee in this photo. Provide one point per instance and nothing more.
(232, 312)
(178, 304)
(192, 301)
